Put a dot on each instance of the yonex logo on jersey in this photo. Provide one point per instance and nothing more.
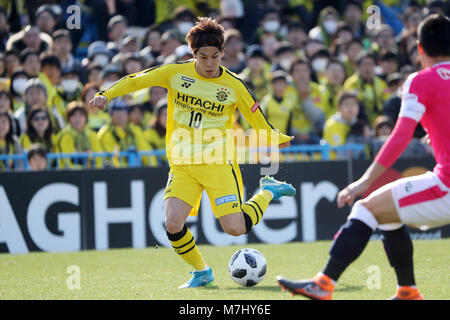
(184, 78)
(225, 199)
(443, 73)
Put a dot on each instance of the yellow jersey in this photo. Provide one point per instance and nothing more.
(200, 111)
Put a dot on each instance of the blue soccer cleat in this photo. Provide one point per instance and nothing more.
(200, 279)
(278, 188)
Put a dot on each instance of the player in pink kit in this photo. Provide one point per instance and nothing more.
(422, 201)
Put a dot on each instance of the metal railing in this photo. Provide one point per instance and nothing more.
(133, 159)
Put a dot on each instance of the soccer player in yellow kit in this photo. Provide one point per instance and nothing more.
(202, 98)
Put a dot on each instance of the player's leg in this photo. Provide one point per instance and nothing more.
(237, 218)
(178, 203)
(349, 243)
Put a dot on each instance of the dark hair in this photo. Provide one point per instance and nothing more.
(434, 35)
(36, 150)
(346, 94)
(298, 61)
(8, 95)
(32, 133)
(206, 32)
(160, 106)
(61, 33)
(364, 55)
(9, 138)
(51, 60)
(75, 106)
(88, 86)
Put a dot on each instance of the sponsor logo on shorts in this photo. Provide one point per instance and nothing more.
(225, 199)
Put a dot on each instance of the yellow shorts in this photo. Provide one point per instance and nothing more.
(222, 182)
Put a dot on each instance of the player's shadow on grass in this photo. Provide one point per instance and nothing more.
(348, 288)
(258, 288)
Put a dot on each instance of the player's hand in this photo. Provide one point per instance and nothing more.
(99, 102)
(286, 144)
(351, 192)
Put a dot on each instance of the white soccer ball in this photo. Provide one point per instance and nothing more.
(247, 267)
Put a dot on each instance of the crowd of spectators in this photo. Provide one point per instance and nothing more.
(323, 71)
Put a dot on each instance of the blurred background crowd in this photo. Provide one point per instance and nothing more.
(323, 71)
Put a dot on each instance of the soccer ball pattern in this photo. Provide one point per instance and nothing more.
(247, 267)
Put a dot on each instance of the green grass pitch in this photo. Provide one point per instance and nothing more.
(155, 273)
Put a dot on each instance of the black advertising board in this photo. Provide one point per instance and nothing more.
(100, 209)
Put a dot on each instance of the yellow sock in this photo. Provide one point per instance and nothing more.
(255, 207)
(184, 245)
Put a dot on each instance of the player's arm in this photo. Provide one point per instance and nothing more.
(251, 111)
(411, 111)
(156, 76)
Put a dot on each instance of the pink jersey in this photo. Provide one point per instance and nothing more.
(425, 98)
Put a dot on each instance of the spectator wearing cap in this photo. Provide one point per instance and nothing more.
(30, 37)
(256, 74)
(76, 137)
(9, 143)
(129, 45)
(46, 18)
(170, 41)
(62, 48)
(310, 101)
(39, 131)
(371, 89)
(120, 135)
(97, 54)
(182, 53)
(97, 118)
(109, 75)
(18, 82)
(326, 26)
(155, 133)
(37, 158)
(117, 29)
(233, 59)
